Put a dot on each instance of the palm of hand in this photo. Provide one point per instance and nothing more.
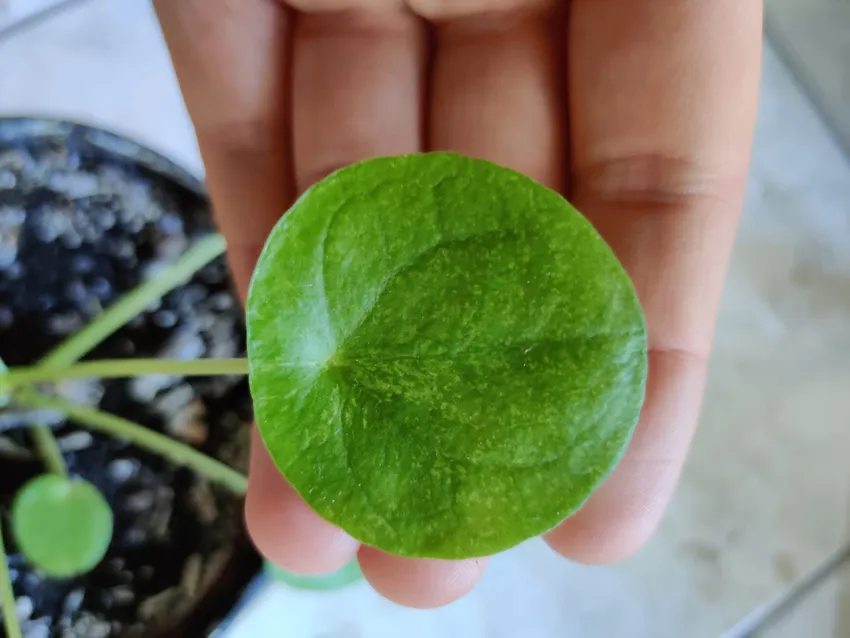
(641, 112)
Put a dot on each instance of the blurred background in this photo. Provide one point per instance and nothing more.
(765, 497)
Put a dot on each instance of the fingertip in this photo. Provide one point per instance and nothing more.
(285, 529)
(617, 522)
(419, 583)
(624, 513)
(590, 543)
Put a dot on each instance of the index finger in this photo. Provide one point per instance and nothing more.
(662, 105)
(231, 62)
(230, 57)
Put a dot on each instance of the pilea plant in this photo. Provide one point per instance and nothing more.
(62, 524)
(445, 359)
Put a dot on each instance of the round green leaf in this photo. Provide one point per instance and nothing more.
(63, 526)
(445, 357)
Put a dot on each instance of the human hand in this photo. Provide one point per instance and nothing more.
(640, 111)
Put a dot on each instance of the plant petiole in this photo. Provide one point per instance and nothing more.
(123, 368)
(45, 442)
(113, 318)
(48, 450)
(7, 595)
(141, 436)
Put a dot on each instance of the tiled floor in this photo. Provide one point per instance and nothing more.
(814, 38)
(15, 13)
(765, 495)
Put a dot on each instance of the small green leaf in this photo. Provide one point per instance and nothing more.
(63, 526)
(342, 577)
(446, 359)
(5, 387)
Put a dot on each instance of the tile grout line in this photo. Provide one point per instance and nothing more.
(767, 614)
(35, 19)
(842, 603)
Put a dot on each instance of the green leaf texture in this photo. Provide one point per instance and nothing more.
(445, 357)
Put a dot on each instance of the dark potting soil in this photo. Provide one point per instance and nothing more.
(81, 222)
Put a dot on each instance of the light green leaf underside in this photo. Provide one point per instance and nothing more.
(346, 575)
(62, 525)
(446, 358)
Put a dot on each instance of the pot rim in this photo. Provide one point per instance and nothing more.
(105, 140)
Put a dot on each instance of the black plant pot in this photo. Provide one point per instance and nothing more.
(84, 215)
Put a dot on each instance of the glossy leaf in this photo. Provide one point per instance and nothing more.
(445, 357)
(63, 526)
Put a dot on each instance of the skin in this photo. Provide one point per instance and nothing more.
(640, 112)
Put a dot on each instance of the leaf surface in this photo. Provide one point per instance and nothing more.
(445, 357)
(61, 525)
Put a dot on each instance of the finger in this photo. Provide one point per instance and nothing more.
(495, 97)
(449, 9)
(423, 584)
(230, 59)
(317, 6)
(357, 83)
(358, 93)
(496, 93)
(662, 100)
(431, 9)
(285, 529)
